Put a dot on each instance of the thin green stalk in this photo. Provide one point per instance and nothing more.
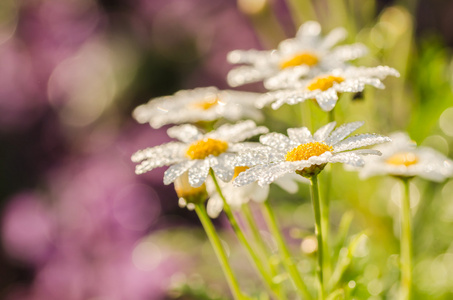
(318, 229)
(219, 251)
(331, 115)
(325, 224)
(284, 252)
(406, 244)
(246, 211)
(240, 235)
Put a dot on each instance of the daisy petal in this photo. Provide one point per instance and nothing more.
(214, 206)
(274, 172)
(334, 37)
(237, 132)
(349, 158)
(199, 172)
(278, 141)
(360, 140)
(169, 150)
(349, 52)
(322, 133)
(186, 133)
(177, 170)
(263, 155)
(250, 175)
(327, 99)
(301, 135)
(342, 132)
(223, 166)
(150, 164)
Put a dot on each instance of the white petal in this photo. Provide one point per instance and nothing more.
(214, 206)
(322, 133)
(260, 193)
(237, 132)
(348, 158)
(349, 52)
(301, 135)
(288, 182)
(342, 132)
(360, 140)
(177, 170)
(263, 155)
(169, 150)
(327, 99)
(186, 133)
(278, 141)
(199, 172)
(273, 172)
(250, 175)
(223, 166)
(333, 37)
(150, 164)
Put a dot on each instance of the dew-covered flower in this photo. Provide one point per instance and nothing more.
(197, 153)
(236, 196)
(307, 51)
(325, 87)
(402, 158)
(200, 104)
(303, 153)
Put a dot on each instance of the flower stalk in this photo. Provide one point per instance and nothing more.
(284, 252)
(318, 230)
(406, 244)
(219, 251)
(242, 239)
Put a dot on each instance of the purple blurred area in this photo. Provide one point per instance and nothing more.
(74, 215)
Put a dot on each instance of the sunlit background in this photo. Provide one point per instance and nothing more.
(78, 224)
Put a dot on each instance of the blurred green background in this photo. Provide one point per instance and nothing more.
(77, 223)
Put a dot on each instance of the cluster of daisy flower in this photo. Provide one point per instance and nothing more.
(309, 66)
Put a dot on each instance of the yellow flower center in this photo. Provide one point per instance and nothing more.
(303, 58)
(324, 83)
(203, 148)
(189, 193)
(307, 150)
(403, 159)
(239, 170)
(206, 104)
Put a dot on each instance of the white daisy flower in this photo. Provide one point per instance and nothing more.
(402, 158)
(304, 154)
(197, 153)
(237, 196)
(200, 104)
(326, 87)
(307, 51)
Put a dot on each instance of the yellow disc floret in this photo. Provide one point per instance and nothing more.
(189, 193)
(203, 148)
(307, 150)
(324, 83)
(304, 58)
(239, 170)
(206, 104)
(403, 159)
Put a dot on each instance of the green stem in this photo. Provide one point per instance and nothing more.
(240, 235)
(325, 225)
(219, 251)
(284, 252)
(331, 115)
(406, 244)
(318, 229)
(246, 211)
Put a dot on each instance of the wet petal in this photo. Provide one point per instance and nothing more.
(360, 140)
(177, 170)
(342, 132)
(199, 172)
